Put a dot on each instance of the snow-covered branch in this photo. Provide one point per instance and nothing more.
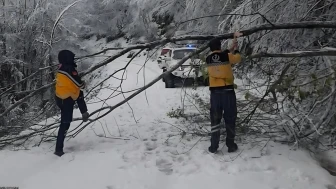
(275, 26)
(263, 27)
(59, 18)
(151, 45)
(109, 109)
(295, 54)
(43, 88)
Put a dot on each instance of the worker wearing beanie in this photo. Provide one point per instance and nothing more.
(222, 97)
(68, 91)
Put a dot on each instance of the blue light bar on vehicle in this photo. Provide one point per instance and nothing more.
(191, 45)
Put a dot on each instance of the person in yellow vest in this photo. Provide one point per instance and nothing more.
(223, 96)
(68, 91)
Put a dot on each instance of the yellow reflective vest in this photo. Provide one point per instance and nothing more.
(219, 64)
(68, 83)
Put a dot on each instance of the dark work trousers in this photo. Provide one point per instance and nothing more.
(81, 103)
(223, 105)
(66, 107)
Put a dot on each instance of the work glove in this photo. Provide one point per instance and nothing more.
(83, 85)
(85, 116)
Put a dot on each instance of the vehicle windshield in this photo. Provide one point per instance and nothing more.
(179, 54)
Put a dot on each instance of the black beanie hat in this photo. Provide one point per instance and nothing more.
(66, 57)
(215, 44)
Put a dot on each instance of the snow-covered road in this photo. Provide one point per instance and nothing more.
(146, 161)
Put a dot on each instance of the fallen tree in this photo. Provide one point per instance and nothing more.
(281, 26)
(152, 45)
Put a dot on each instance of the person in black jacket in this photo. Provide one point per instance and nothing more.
(68, 91)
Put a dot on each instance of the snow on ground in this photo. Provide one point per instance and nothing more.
(148, 160)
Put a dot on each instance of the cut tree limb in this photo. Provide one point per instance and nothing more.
(144, 87)
(109, 109)
(280, 26)
(226, 14)
(295, 54)
(101, 52)
(263, 27)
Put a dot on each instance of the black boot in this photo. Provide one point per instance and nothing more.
(232, 148)
(59, 153)
(214, 143)
(60, 138)
(212, 149)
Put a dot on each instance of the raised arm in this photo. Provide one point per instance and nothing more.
(234, 54)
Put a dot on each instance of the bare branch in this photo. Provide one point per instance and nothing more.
(25, 99)
(276, 26)
(227, 14)
(25, 79)
(295, 54)
(279, 26)
(101, 52)
(111, 108)
(59, 18)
